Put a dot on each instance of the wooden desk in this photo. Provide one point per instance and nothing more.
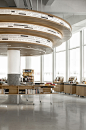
(16, 89)
(70, 88)
(81, 89)
(59, 87)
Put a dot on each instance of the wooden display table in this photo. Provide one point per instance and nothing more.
(22, 94)
(36, 89)
(69, 88)
(59, 87)
(81, 89)
(28, 75)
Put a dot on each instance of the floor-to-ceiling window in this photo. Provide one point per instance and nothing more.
(48, 68)
(47, 64)
(61, 60)
(22, 65)
(74, 56)
(84, 75)
(3, 67)
(84, 55)
(36, 66)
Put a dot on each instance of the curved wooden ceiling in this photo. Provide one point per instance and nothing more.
(16, 18)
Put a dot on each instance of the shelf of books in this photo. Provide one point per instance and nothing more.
(28, 75)
(27, 90)
(35, 91)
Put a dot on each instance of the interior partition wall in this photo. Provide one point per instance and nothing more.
(69, 59)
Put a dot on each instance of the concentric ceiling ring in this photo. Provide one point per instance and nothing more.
(30, 27)
(25, 39)
(32, 30)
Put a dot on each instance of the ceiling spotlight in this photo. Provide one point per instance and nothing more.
(29, 46)
(8, 45)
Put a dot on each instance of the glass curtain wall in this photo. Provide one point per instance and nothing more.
(3, 67)
(74, 53)
(84, 55)
(48, 68)
(61, 60)
(22, 64)
(84, 73)
(36, 67)
(47, 71)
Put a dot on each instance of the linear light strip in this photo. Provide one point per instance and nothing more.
(35, 14)
(26, 38)
(30, 27)
(30, 48)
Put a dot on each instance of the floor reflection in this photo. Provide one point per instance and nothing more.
(66, 113)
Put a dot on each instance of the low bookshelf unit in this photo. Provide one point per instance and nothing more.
(28, 75)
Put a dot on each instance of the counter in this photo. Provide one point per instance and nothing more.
(21, 94)
(59, 87)
(69, 88)
(81, 89)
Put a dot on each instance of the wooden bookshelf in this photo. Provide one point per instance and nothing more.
(18, 91)
(26, 89)
(28, 75)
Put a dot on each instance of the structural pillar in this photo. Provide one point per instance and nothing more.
(29, 62)
(13, 67)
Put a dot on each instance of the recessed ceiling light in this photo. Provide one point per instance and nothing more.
(8, 45)
(29, 46)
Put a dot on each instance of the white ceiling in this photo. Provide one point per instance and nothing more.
(73, 11)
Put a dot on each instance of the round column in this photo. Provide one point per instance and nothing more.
(29, 62)
(13, 67)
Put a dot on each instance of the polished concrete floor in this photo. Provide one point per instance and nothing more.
(67, 112)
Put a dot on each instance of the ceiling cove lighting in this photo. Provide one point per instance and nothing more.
(34, 32)
(40, 50)
(30, 27)
(35, 14)
(26, 38)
